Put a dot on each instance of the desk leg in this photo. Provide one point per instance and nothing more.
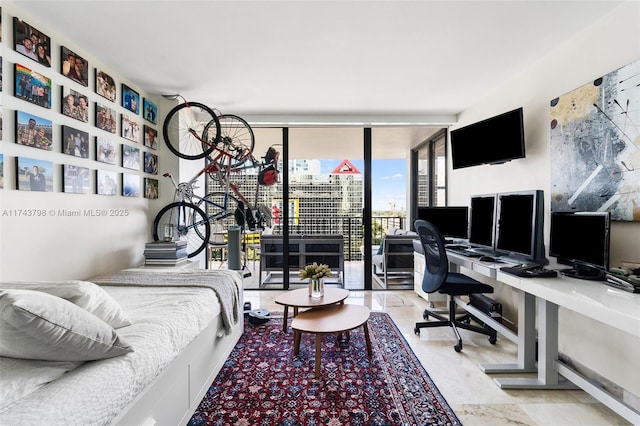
(526, 340)
(548, 377)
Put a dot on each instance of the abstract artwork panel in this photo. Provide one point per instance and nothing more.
(595, 146)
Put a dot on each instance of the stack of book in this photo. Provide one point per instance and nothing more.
(165, 253)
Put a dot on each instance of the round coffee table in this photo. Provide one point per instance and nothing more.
(300, 299)
(329, 320)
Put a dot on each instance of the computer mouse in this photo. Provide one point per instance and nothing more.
(487, 259)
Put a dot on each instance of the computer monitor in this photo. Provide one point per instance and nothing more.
(482, 215)
(581, 239)
(451, 221)
(520, 225)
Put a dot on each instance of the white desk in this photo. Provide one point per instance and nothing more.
(593, 299)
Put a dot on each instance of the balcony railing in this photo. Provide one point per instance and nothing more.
(351, 227)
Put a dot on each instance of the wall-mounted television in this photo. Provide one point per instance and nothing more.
(581, 239)
(482, 213)
(451, 221)
(519, 225)
(492, 141)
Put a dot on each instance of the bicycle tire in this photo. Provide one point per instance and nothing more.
(236, 138)
(184, 127)
(189, 222)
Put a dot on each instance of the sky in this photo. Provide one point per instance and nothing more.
(389, 182)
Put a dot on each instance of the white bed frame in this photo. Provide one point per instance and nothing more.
(174, 395)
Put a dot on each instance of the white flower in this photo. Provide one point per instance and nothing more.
(315, 271)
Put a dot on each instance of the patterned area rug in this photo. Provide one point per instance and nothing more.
(263, 383)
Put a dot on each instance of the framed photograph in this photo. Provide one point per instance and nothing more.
(129, 129)
(130, 157)
(151, 188)
(75, 179)
(34, 175)
(130, 185)
(149, 111)
(105, 150)
(105, 85)
(105, 118)
(2, 171)
(32, 87)
(74, 66)
(75, 142)
(150, 163)
(75, 104)
(150, 137)
(106, 183)
(31, 43)
(130, 99)
(34, 131)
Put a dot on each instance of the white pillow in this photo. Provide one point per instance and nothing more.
(88, 296)
(37, 325)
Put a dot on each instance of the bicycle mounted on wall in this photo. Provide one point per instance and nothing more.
(194, 131)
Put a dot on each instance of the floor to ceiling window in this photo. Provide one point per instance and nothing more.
(326, 176)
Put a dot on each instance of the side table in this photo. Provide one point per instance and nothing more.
(300, 299)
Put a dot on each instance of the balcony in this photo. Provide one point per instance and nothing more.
(352, 230)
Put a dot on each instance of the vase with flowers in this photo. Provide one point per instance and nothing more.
(315, 273)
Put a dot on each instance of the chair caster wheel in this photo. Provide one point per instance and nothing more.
(416, 330)
(425, 315)
(458, 347)
(493, 339)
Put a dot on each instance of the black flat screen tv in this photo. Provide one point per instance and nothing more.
(492, 141)
(451, 221)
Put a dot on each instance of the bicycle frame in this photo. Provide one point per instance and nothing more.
(184, 190)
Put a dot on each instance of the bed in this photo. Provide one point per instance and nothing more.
(183, 325)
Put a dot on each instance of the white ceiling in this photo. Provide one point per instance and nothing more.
(400, 62)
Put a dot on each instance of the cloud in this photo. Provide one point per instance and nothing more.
(393, 177)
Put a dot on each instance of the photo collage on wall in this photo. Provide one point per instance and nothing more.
(34, 77)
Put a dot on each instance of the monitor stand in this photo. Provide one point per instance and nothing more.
(584, 273)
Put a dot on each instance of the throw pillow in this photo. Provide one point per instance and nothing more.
(88, 296)
(37, 325)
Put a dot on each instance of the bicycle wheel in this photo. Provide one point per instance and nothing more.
(236, 138)
(219, 206)
(183, 130)
(189, 222)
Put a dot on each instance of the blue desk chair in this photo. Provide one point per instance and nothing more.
(438, 278)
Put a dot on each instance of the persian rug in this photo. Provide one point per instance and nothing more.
(264, 383)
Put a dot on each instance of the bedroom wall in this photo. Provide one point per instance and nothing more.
(37, 241)
(612, 42)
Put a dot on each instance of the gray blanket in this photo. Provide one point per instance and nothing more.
(225, 284)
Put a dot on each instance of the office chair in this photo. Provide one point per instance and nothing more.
(438, 278)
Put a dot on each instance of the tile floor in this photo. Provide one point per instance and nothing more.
(472, 394)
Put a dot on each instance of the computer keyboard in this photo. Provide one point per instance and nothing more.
(454, 246)
(530, 271)
(464, 252)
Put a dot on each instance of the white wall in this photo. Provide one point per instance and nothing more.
(55, 246)
(612, 42)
